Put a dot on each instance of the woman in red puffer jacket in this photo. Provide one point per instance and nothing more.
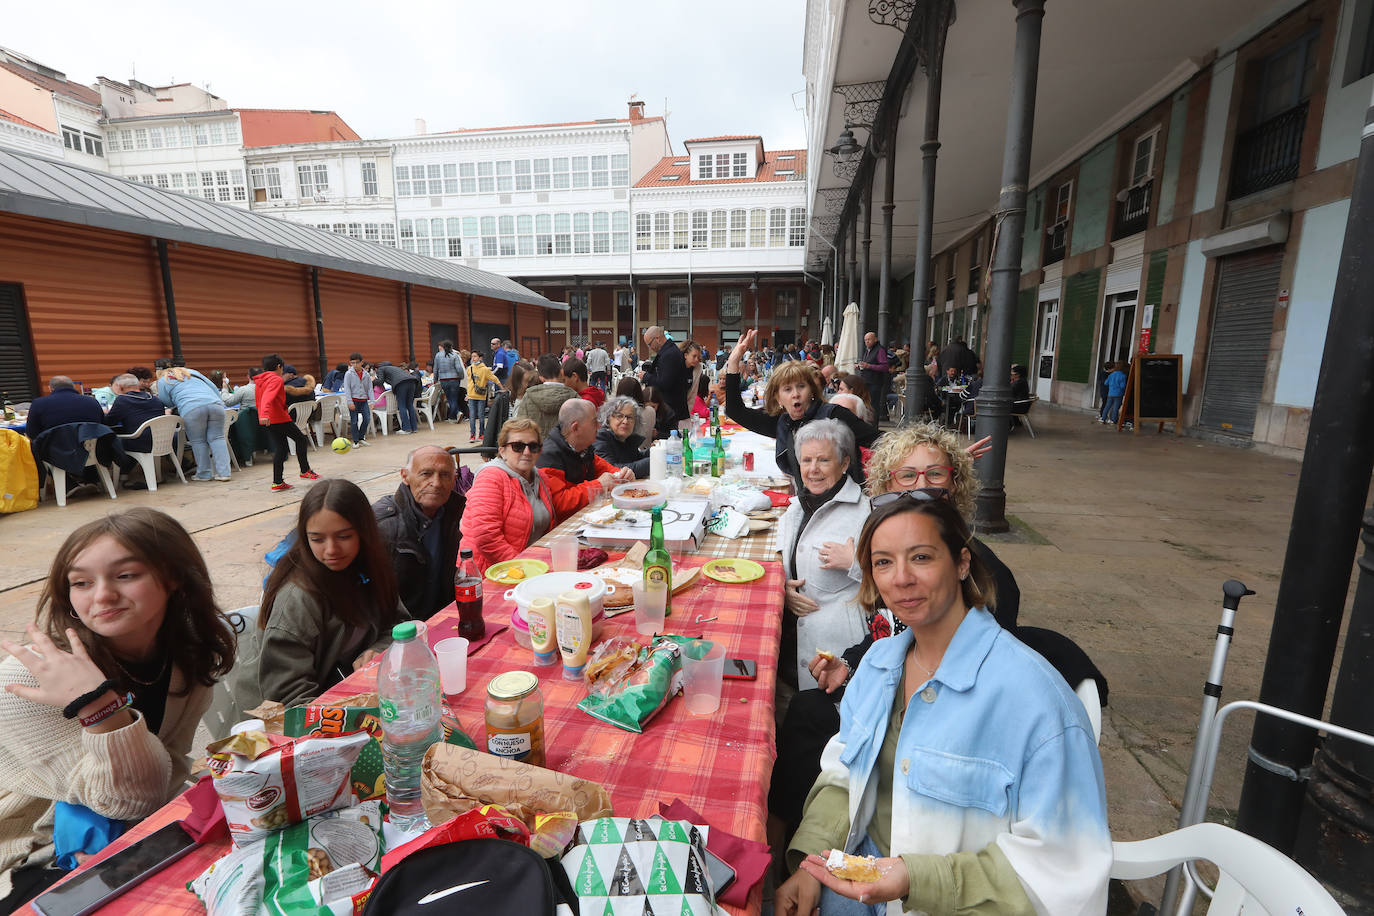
(509, 505)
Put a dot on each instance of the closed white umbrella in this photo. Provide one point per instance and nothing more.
(827, 332)
(847, 352)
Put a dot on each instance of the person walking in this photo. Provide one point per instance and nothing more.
(358, 388)
(197, 400)
(1116, 391)
(449, 376)
(270, 395)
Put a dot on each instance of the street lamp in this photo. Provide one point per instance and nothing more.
(846, 145)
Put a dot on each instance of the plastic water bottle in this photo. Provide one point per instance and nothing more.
(674, 454)
(410, 703)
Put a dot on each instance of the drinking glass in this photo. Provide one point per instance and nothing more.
(452, 654)
(651, 600)
(703, 665)
(564, 550)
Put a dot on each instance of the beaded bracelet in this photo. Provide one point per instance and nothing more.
(109, 709)
(75, 706)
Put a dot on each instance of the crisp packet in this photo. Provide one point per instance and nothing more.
(638, 697)
(266, 783)
(633, 866)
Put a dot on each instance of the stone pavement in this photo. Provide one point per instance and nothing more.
(1121, 542)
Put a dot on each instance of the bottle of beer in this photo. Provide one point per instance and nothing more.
(718, 457)
(658, 563)
(715, 414)
(467, 593)
(687, 456)
(9, 408)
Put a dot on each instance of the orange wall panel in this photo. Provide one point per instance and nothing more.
(440, 306)
(363, 314)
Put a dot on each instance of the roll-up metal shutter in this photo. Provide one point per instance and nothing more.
(18, 376)
(1238, 350)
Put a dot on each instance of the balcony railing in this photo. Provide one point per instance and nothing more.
(1056, 237)
(1268, 153)
(1133, 212)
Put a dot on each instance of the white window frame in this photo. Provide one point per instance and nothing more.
(705, 167)
(644, 231)
(1152, 137)
(369, 170)
(739, 165)
(1063, 202)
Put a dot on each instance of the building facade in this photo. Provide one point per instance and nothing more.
(41, 111)
(344, 186)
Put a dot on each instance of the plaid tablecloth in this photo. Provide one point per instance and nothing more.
(720, 765)
(760, 546)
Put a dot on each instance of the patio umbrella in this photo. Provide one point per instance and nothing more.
(827, 332)
(847, 352)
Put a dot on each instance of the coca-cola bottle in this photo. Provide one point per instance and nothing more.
(467, 592)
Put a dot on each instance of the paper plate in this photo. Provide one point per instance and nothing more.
(732, 571)
(501, 572)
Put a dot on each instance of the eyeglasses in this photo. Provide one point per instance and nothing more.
(519, 447)
(923, 495)
(624, 416)
(937, 475)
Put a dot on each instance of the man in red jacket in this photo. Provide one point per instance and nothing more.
(575, 377)
(269, 392)
(575, 473)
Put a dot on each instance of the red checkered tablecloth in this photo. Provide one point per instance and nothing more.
(759, 546)
(720, 765)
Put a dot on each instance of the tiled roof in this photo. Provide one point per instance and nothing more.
(7, 116)
(84, 94)
(662, 174)
(732, 137)
(277, 126)
(602, 122)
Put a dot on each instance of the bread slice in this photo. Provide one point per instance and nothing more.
(859, 869)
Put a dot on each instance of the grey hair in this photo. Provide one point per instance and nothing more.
(852, 401)
(124, 379)
(840, 437)
(614, 405)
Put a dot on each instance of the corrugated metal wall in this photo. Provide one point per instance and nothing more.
(439, 306)
(1237, 352)
(365, 315)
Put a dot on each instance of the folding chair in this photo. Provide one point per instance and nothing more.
(165, 431)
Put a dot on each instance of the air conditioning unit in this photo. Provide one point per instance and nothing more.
(320, 198)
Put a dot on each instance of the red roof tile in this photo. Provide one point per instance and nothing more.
(7, 116)
(84, 94)
(768, 171)
(278, 126)
(607, 121)
(733, 137)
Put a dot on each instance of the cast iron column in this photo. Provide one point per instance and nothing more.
(865, 297)
(854, 262)
(410, 325)
(169, 300)
(994, 400)
(885, 267)
(842, 287)
(1332, 490)
(319, 320)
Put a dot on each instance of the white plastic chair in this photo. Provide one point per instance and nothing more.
(333, 415)
(1092, 702)
(230, 416)
(1253, 874)
(59, 476)
(224, 711)
(300, 415)
(427, 405)
(165, 430)
(383, 415)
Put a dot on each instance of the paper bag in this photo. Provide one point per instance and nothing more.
(455, 780)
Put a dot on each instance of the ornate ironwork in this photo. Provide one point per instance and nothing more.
(1133, 210)
(896, 13)
(834, 198)
(1268, 153)
(845, 168)
(861, 101)
(826, 225)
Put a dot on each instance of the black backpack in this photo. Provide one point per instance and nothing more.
(481, 876)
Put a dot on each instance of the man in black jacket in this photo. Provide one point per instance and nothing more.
(668, 372)
(419, 524)
(63, 405)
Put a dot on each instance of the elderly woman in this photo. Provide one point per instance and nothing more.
(617, 440)
(820, 594)
(963, 761)
(792, 399)
(509, 505)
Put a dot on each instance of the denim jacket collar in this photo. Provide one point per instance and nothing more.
(966, 653)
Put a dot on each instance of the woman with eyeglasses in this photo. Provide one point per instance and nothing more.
(509, 505)
(617, 440)
(963, 763)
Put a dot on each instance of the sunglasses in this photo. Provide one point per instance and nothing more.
(923, 495)
(519, 447)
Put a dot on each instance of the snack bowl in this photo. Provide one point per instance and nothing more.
(551, 585)
(655, 494)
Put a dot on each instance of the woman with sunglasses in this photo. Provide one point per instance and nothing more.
(509, 505)
(617, 441)
(963, 762)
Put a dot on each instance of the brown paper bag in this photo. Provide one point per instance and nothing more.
(455, 780)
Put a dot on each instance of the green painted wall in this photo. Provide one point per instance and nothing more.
(1173, 155)
(1024, 335)
(1093, 198)
(1077, 317)
(1154, 290)
(1035, 221)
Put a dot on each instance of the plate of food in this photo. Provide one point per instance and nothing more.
(638, 494)
(732, 570)
(625, 577)
(608, 516)
(513, 572)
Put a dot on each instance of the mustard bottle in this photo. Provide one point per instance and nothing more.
(573, 612)
(543, 631)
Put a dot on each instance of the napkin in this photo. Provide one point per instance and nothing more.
(777, 497)
(206, 820)
(748, 858)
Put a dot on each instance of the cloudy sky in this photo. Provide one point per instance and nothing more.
(723, 66)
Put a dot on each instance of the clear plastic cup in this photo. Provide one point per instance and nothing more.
(452, 654)
(564, 550)
(703, 664)
(651, 601)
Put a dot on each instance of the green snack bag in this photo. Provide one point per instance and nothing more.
(657, 677)
(368, 776)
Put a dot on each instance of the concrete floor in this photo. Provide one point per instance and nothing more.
(1122, 542)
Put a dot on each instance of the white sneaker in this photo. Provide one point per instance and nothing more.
(361, 443)
(222, 479)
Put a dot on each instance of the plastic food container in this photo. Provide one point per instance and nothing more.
(551, 585)
(657, 495)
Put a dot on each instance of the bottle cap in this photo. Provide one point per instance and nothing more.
(466, 553)
(248, 725)
(405, 630)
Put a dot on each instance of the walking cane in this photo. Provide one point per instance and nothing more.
(1194, 793)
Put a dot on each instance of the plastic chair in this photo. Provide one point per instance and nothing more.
(427, 405)
(300, 412)
(968, 418)
(224, 711)
(230, 416)
(1086, 691)
(383, 415)
(165, 430)
(333, 412)
(1253, 874)
(59, 476)
(1025, 417)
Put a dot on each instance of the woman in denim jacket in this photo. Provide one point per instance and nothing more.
(963, 762)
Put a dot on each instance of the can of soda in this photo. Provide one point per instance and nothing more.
(748, 461)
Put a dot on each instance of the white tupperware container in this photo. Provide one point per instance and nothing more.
(658, 497)
(551, 585)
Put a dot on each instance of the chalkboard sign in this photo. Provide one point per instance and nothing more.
(1154, 391)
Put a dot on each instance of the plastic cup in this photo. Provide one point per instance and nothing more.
(564, 550)
(703, 664)
(651, 600)
(452, 654)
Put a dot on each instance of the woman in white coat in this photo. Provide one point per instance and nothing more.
(817, 536)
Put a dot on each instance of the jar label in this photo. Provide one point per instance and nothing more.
(516, 745)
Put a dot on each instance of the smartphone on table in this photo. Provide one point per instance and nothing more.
(743, 669)
(91, 889)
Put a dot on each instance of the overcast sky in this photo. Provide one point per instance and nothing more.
(724, 66)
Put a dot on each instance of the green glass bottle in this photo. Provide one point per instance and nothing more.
(718, 457)
(687, 452)
(658, 563)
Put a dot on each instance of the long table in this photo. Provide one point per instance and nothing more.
(719, 765)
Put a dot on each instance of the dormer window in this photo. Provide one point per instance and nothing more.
(786, 158)
(705, 169)
(741, 166)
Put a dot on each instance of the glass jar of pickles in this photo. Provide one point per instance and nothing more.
(515, 717)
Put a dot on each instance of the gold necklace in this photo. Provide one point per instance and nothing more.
(125, 671)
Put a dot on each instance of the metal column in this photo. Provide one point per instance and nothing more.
(854, 261)
(319, 320)
(994, 400)
(865, 284)
(885, 268)
(169, 300)
(410, 325)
